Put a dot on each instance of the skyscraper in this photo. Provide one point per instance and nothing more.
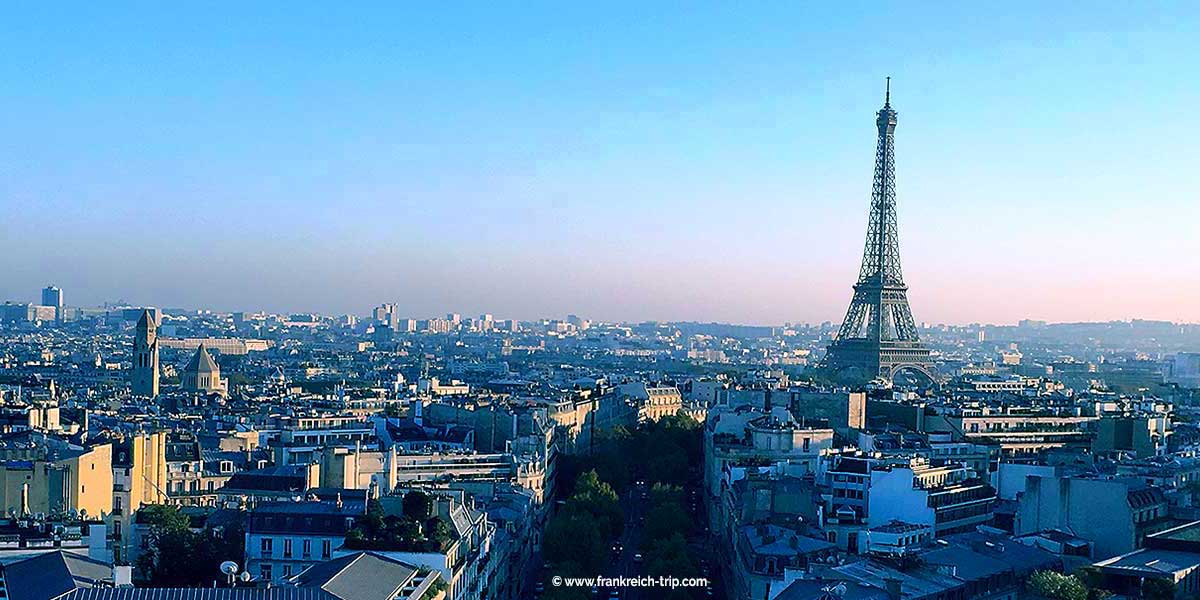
(52, 296)
(878, 337)
(145, 357)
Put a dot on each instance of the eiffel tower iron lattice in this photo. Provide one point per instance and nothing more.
(878, 337)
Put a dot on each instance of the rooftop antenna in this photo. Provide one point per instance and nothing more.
(887, 98)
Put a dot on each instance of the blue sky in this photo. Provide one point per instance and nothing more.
(620, 161)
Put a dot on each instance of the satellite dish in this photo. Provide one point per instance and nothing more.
(245, 576)
(229, 567)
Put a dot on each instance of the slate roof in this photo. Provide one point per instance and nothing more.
(1019, 557)
(201, 362)
(779, 541)
(852, 465)
(312, 518)
(53, 574)
(288, 478)
(203, 593)
(359, 576)
(1151, 562)
(182, 447)
(814, 589)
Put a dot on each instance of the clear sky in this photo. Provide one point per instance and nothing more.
(619, 161)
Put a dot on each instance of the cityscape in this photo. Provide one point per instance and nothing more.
(174, 446)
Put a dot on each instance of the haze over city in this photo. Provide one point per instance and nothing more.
(620, 162)
(619, 301)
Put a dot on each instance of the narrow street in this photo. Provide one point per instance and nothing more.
(624, 563)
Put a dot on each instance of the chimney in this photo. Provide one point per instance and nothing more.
(894, 588)
(122, 576)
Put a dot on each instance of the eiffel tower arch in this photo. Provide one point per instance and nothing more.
(878, 338)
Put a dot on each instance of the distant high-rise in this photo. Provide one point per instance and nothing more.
(385, 314)
(878, 337)
(52, 296)
(145, 357)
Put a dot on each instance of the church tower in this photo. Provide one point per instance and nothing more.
(202, 374)
(145, 357)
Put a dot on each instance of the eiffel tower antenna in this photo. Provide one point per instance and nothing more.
(878, 337)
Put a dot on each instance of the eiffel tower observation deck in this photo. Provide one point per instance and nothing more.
(878, 337)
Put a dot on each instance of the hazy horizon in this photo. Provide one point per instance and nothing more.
(623, 163)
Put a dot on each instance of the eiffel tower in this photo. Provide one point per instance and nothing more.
(878, 337)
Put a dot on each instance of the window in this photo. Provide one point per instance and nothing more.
(287, 548)
(806, 444)
(267, 546)
(306, 548)
(265, 571)
(326, 547)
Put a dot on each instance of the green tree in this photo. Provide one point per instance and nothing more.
(573, 535)
(568, 568)
(1158, 589)
(598, 499)
(178, 557)
(438, 531)
(161, 517)
(1056, 586)
(664, 521)
(1093, 579)
(670, 557)
(416, 504)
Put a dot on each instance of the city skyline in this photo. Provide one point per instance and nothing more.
(711, 175)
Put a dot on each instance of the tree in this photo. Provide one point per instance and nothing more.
(573, 535)
(666, 520)
(670, 557)
(663, 494)
(161, 517)
(416, 504)
(613, 468)
(438, 531)
(1093, 579)
(178, 557)
(1056, 586)
(568, 568)
(598, 499)
(1158, 589)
